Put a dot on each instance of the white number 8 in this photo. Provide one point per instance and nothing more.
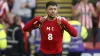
(50, 36)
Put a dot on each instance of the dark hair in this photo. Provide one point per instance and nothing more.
(51, 3)
(16, 18)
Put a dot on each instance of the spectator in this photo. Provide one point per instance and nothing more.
(15, 39)
(75, 44)
(23, 8)
(4, 13)
(84, 10)
(10, 4)
(3, 40)
(98, 10)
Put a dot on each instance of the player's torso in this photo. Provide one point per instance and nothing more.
(51, 34)
(50, 30)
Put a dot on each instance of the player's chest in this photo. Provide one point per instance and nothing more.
(50, 26)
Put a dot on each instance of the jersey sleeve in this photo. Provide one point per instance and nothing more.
(71, 30)
(6, 7)
(34, 23)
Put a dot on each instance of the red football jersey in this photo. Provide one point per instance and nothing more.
(51, 33)
(51, 37)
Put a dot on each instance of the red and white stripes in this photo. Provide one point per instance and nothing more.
(85, 16)
(3, 8)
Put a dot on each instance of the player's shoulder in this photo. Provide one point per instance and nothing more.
(42, 19)
(36, 18)
(61, 18)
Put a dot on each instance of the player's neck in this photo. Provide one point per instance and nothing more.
(51, 18)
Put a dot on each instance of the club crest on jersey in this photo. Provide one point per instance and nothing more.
(50, 28)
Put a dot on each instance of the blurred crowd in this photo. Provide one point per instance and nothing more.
(15, 13)
(87, 13)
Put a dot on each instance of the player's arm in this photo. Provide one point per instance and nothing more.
(6, 8)
(76, 9)
(98, 6)
(92, 9)
(71, 30)
(5, 11)
(34, 23)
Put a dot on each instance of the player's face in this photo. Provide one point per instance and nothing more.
(52, 11)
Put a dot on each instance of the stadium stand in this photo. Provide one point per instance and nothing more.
(64, 5)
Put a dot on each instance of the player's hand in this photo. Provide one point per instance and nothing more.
(91, 7)
(42, 19)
